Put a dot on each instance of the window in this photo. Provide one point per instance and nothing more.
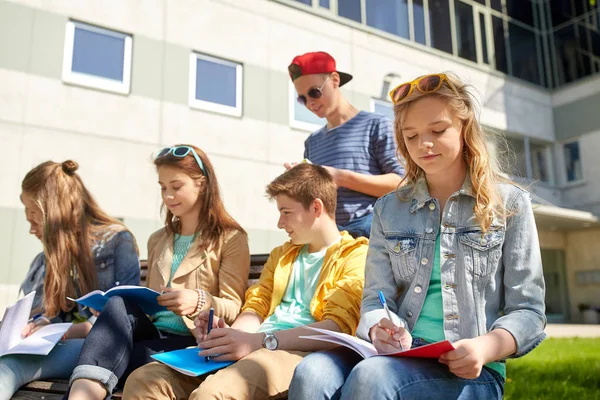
(300, 116)
(97, 58)
(540, 167)
(382, 107)
(324, 3)
(523, 53)
(350, 9)
(465, 31)
(419, 21)
(499, 45)
(307, 2)
(441, 34)
(521, 10)
(389, 15)
(573, 162)
(215, 84)
(482, 31)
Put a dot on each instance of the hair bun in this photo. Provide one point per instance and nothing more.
(70, 167)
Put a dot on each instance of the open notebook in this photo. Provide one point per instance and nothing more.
(367, 349)
(143, 296)
(39, 343)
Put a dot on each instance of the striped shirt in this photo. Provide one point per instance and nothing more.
(363, 144)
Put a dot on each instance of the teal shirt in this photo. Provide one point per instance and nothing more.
(430, 324)
(168, 321)
(294, 309)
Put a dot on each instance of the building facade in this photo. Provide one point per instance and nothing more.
(109, 83)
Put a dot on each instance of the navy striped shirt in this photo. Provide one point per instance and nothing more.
(363, 144)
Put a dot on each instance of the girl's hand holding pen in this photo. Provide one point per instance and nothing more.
(389, 338)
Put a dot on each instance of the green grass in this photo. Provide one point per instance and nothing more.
(556, 369)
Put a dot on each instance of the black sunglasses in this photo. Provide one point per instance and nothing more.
(314, 93)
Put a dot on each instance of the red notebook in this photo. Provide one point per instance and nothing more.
(366, 349)
(433, 350)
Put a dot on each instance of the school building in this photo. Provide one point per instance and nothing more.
(108, 83)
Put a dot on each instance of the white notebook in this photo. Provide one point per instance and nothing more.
(39, 343)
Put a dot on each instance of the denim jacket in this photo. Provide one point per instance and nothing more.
(117, 263)
(489, 281)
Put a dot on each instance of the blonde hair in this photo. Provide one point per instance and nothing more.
(483, 168)
(70, 219)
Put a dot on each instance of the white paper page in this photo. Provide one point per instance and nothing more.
(14, 320)
(363, 347)
(42, 341)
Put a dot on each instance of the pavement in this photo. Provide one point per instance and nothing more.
(573, 330)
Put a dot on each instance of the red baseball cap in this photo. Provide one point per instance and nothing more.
(317, 62)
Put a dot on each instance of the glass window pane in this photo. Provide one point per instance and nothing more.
(307, 2)
(349, 9)
(388, 15)
(216, 82)
(561, 12)
(419, 21)
(441, 34)
(465, 31)
(539, 162)
(484, 47)
(499, 45)
(324, 3)
(573, 162)
(523, 54)
(521, 10)
(573, 56)
(97, 54)
(383, 108)
(496, 5)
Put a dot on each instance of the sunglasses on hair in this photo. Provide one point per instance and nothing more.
(181, 151)
(424, 84)
(313, 92)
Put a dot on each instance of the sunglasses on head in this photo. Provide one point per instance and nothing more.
(424, 84)
(313, 93)
(182, 151)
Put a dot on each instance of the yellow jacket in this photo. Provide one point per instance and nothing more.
(339, 290)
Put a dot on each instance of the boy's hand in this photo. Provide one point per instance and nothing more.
(228, 344)
(386, 337)
(201, 323)
(179, 301)
(467, 360)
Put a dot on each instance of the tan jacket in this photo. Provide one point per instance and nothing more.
(221, 271)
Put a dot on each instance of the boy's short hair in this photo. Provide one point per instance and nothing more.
(305, 183)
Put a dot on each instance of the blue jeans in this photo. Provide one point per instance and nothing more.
(359, 227)
(122, 340)
(342, 374)
(17, 370)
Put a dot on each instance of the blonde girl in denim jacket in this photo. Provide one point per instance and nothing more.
(455, 252)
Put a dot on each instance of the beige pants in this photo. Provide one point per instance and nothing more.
(262, 374)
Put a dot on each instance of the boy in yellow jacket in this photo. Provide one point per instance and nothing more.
(315, 279)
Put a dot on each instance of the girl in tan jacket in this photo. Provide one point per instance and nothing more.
(200, 259)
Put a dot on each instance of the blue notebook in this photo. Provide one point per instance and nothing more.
(144, 297)
(188, 362)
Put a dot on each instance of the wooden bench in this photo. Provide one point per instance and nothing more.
(54, 389)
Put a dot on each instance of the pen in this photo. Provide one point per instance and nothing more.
(387, 310)
(211, 315)
(35, 317)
